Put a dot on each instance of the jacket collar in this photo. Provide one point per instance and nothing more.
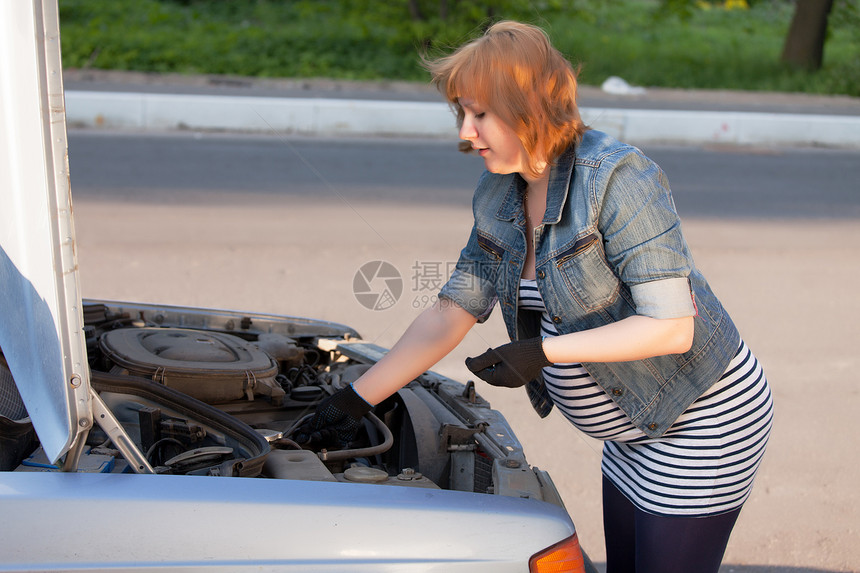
(560, 176)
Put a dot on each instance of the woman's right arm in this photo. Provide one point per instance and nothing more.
(430, 337)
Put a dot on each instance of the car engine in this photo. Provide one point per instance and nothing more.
(222, 393)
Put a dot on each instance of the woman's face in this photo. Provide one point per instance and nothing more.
(495, 141)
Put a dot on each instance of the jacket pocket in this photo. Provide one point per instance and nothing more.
(578, 247)
(490, 247)
(587, 274)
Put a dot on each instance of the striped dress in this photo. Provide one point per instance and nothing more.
(706, 461)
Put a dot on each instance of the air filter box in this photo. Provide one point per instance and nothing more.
(210, 366)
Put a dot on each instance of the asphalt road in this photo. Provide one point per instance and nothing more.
(281, 225)
(706, 182)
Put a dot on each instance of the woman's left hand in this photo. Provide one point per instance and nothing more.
(511, 365)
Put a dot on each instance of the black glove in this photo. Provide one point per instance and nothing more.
(336, 420)
(511, 365)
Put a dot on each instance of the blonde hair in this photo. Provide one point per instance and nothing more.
(515, 72)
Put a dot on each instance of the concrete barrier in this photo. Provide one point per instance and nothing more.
(348, 117)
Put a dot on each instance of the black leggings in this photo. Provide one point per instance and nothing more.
(638, 542)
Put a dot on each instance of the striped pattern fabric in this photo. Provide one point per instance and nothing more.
(703, 465)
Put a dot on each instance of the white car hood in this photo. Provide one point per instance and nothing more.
(41, 321)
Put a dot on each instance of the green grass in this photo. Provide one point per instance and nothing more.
(375, 39)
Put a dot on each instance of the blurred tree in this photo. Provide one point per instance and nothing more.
(804, 44)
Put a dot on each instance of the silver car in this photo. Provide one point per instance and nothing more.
(140, 437)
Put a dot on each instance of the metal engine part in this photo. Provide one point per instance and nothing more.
(210, 366)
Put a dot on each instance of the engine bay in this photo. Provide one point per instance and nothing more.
(221, 393)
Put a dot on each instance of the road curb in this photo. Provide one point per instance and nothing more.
(350, 117)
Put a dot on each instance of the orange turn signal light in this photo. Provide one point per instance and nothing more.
(563, 557)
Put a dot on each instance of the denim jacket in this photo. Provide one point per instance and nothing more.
(609, 246)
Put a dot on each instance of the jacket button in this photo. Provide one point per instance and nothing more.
(556, 319)
(617, 391)
(652, 426)
(541, 274)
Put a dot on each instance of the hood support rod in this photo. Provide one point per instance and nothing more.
(117, 434)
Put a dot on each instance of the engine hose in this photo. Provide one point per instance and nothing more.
(386, 444)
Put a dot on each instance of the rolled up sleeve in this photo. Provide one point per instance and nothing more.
(643, 239)
(472, 284)
(666, 298)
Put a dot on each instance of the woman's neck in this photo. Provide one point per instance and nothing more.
(537, 180)
(534, 205)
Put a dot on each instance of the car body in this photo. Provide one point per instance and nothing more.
(152, 437)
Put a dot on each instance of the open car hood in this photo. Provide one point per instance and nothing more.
(41, 321)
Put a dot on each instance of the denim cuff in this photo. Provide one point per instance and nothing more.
(664, 298)
(466, 291)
